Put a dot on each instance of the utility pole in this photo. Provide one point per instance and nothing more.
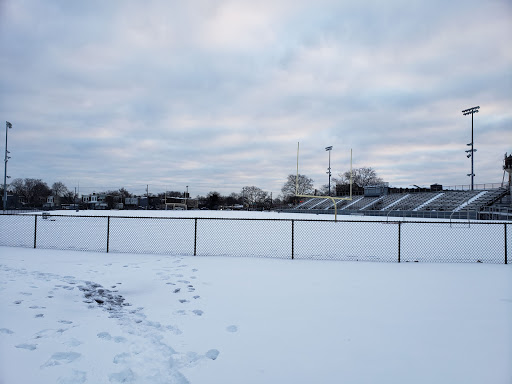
(7, 127)
(328, 149)
(471, 152)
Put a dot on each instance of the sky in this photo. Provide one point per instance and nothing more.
(216, 95)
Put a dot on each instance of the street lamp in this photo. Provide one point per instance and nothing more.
(328, 149)
(471, 152)
(7, 127)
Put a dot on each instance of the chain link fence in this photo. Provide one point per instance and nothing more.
(384, 241)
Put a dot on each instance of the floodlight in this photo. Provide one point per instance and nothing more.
(471, 111)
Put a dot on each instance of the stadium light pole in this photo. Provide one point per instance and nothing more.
(471, 152)
(7, 127)
(329, 149)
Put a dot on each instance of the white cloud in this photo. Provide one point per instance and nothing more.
(217, 94)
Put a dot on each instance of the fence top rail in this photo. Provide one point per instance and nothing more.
(461, 221)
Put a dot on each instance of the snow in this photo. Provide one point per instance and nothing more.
(93, 317)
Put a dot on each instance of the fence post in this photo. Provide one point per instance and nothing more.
(506, 250)
(293, 234)
(35, 231)
(195, 237)
(108, 232)
(399, 235)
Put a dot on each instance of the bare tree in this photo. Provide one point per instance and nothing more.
(360, 176)
(213, 200)
(59, 189)
(35, 191)
(305, 186)
(254, 196)
(17, 186)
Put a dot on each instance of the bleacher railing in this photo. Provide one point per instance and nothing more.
(384, 241)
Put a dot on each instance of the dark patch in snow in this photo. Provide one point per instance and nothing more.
(95, 293)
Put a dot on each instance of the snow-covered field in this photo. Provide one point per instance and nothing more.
(93, 317)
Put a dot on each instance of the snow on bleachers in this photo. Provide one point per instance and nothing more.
(447, 201)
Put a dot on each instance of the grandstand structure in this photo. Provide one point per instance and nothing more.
(433, 202)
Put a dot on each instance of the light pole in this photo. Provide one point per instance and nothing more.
(7, 127)
(328, 149)
(471, 152)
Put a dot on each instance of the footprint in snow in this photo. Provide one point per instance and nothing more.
(107, 336)
(73, 343)
(78, 377)
(232, 328)
(198, 312)
(212, 354)
(29, 347)
(6, 331)
(121, 358)
(104, 336)
(126, 376)
(59, 358)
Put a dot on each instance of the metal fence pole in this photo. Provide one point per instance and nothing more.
(195, 237)
(108, 232)
(35, 231)
(399, 238)
(506, 250)
(293, 234)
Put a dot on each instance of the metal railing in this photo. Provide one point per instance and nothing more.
(384, 241)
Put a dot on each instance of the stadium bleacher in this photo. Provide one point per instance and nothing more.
(444, 201)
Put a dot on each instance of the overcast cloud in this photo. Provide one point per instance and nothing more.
(217, 94)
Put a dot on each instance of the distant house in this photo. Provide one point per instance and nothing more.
(95, 201)
(180, 203)
(131, 202)
(52, 202)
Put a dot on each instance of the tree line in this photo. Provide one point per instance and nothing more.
(34, 192)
